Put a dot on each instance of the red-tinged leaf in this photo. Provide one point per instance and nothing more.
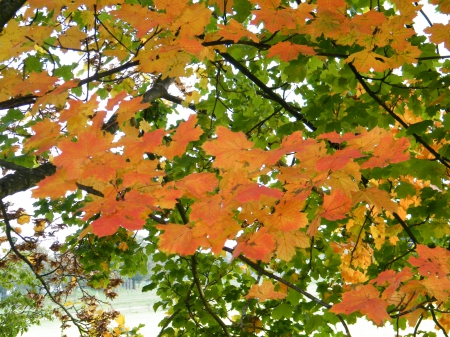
(198, 184)
(218, 233)
(366, 60)
(314, 226)
(258, 246)
(186, 132)
(112, 102)
(389, 151)
(333, 137)
(342, 181)
(437, 287)
(136, 147)
(288, 51)
(364, 298)
(54, 186)
(142, 174)
(127, 217)
(229, 148)
(208, 209)
(337, 160)
(367, 22)
(287, 216)
(46, 134)
(129, 109)
(336, 205)
(288, 242)
(265, 291)
(255, 191)
(180, 239)
(365, 141)
(168, 196)
(374, 196)
(75, 155)
(393, 280)
(274, 20)
(432, 262)
(440, 33)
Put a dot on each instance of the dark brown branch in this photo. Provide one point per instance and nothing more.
(8, 10)
(441, 159)
(262, 271)
(23, 178)
(269, 92)
(82, 330)
(406, 228)
(203, 298)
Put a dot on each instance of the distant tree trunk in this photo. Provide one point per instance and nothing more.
(134, 283)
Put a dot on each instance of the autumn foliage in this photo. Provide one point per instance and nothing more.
(311, 149)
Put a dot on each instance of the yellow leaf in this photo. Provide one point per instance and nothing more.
(120, 320)
(68, 304)
(123, 246)
(23, 219)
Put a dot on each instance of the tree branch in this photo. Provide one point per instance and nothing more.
(262, 271)
(443, 160)
(9, 10)
(269, 92)
(203, 298)
(23, 178)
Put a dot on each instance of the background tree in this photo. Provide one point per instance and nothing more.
(316, 156)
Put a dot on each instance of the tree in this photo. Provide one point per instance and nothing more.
(316, 154)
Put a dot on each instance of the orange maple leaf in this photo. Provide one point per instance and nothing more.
(254, 191)
(287, 216)
(440, 33)
(393, 280)
(186, 132)
(337, 160)
(229, 148)
(288, 242)
(379, 198)
(390, 150)
(208, 209)
(365, 298)
(75, 155)
(198, 184)
(235, 31)
(181, 239)
(46, 134)
(258, 246)
(432, 261)
(265, 291)
(366, 60)
(54, 186)
(335, 205)
(288, 51)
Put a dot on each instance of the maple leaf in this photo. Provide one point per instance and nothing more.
(265, 291)
(364, 298)
(388, 151)
(46, 134)
(54, 186)
(180, 239)
(186, 132)
(258, 246)
(77, 154)
(208, 209)
(366, 60)
(229, 148)
(254, 191)
(440, 33)
(287, 216)
(288, 242)
(377, 197)
(337, 160)
(393, 280)
(288, 51)
(198, 184)
(431, 262)
(335, 205)
(342, 181)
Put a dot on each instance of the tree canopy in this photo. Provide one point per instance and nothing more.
(308, 185)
